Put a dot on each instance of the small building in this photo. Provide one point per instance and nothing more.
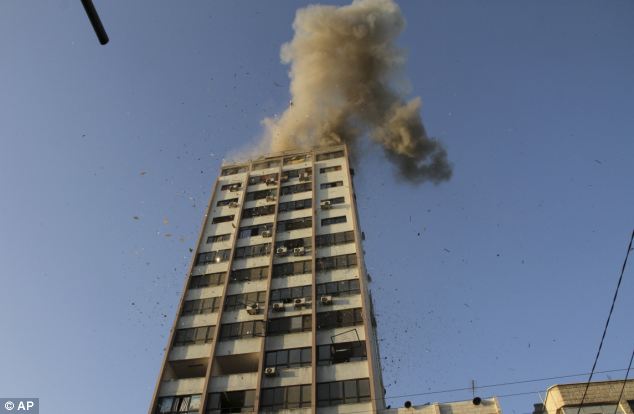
(475, 406)
(602, 397)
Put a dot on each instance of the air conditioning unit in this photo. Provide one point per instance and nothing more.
(270, 371)
(278, 307)
(233, 204)
(266, 233)
(281, 251)
(270, 198)
(253, 308)
(304, 176)
(234, 188)
(299, 251)
(325, 205)
(299, 302)
(270, 181)
(326, 300)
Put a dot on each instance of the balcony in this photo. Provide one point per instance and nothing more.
(233, 382)
(193, 351)
(343, 371)
(182, 386)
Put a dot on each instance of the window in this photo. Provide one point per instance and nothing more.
(334, 239)
(339, 319)
(230, 402)
(292, 243)
(294, 396)
(189, 336)
(199, 306)
(209, 279)
(293, 268)
(296, 159)
(339, 288)
(296, 205)
(343, 392)
(296, 357)
(329, 155)
(333, 220)
(295, 224)
(226, 202)
(287, 295)
(231, 187)
(330, 169)
(241, 330)
(266, 164)
(222, 219)
(304, 174)
(296, 188)
(300, 172)
(233, 170)
(258, 211)
(336, 262)
(333, 201)
(251, 231)
(288, 325)
(263, 179)
(253, 273)
(238, 302)
(180, 404)
(331, 185)
(341, 352)
(218, 238)
(252, 251)
(258, 195)
(216, 256)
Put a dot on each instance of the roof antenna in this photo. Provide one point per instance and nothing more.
(95, 21)
(476, 400)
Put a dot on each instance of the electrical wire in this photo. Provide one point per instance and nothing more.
(624, 382)
(607, 323)
(503, 384)
(450, 402)
(497, 385)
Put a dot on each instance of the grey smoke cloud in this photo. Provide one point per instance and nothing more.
(347, 83)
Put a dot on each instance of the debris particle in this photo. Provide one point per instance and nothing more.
(136, 217)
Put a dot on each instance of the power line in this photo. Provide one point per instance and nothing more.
(492, 386)
(450, 402)
(504, 384)
(607, 323)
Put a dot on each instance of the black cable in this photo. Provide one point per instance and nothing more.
(451, 402)
(495, 385)
(97, 26)
(503, 384)
(605, 330)
(624, 382)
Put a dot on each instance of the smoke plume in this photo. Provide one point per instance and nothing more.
(346, 83)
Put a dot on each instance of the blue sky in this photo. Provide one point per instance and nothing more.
(504, 273)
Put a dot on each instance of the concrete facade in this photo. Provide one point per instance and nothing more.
(602, 397)
(276, 314)
(486, 406)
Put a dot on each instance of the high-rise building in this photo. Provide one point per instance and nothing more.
(276, 315)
